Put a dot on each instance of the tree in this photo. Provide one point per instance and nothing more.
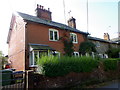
(3, 60)
(68, 45)
(87, 47)
(113, 52)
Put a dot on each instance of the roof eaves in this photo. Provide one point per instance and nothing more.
(48, 22)
(98, 39)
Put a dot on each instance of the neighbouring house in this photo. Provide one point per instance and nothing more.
(31, 36)
(102, 45)
(117, 40)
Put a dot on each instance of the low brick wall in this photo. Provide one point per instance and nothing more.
(39, 81)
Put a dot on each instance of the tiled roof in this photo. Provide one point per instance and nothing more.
(48, 22)
(116, 39)
(99, 39)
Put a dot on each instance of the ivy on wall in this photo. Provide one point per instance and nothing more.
(68, 45)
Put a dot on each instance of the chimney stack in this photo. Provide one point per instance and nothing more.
(106, 36)
(71, 22)
(43, 13)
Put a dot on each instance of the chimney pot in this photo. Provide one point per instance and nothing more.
(40, 6)
(37, 5)
(48, 9)
(43, 13)
(71, 22)
(106, 36)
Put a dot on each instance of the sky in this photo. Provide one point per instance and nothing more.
(102, 15)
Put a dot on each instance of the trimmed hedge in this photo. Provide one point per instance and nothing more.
(54, 66)
(110, 64)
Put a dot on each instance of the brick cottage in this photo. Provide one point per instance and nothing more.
(30, 36)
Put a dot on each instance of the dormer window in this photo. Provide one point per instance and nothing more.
(73, 37)
(53, 35)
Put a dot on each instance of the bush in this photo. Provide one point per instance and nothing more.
(87, 47)
(113, 52)
(110, 64)
(54, 66)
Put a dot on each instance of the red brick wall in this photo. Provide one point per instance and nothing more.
(43, 13)
(39, 34)
(16, 47)
(35, 33)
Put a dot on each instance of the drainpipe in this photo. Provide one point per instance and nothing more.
(26, 47)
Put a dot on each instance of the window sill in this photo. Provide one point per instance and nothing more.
(54, 40)
(75, 42)
(33, 66)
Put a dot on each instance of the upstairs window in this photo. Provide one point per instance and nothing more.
(73, 36)
(53, 35)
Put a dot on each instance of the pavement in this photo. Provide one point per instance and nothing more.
(114, 85)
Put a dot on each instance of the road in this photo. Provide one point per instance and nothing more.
(114, 85)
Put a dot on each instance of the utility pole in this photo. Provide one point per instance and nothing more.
(87, 17)
(64, 11)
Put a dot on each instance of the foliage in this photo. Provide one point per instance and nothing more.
(113, 52)
(3, 60)
(54, 66)
(87, 47)
(110, 64)
(68, 45)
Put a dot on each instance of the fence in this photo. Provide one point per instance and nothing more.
(12, 79)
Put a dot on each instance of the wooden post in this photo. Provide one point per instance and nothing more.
(28, 81)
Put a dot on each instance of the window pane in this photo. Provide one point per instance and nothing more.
(51, 35)
(72, 37)
(55, 35)
(76, 54)
(31, 58)
(35, 57)
(75, 39)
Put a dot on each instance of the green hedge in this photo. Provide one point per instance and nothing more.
(110, 64)
(54, 66)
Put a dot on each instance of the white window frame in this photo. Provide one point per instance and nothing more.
(105, 56)
(101, 55)
(57, 53)
(54, 30)
(76, 53)
(74, 34)
(33, 58)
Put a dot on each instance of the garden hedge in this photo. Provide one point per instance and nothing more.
(54, 66)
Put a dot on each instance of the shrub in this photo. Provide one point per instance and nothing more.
(54, 66)
(68, 45)
(87, 47)
(110, 64)
(113, 52)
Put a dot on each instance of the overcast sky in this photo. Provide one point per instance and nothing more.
(103, 15)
